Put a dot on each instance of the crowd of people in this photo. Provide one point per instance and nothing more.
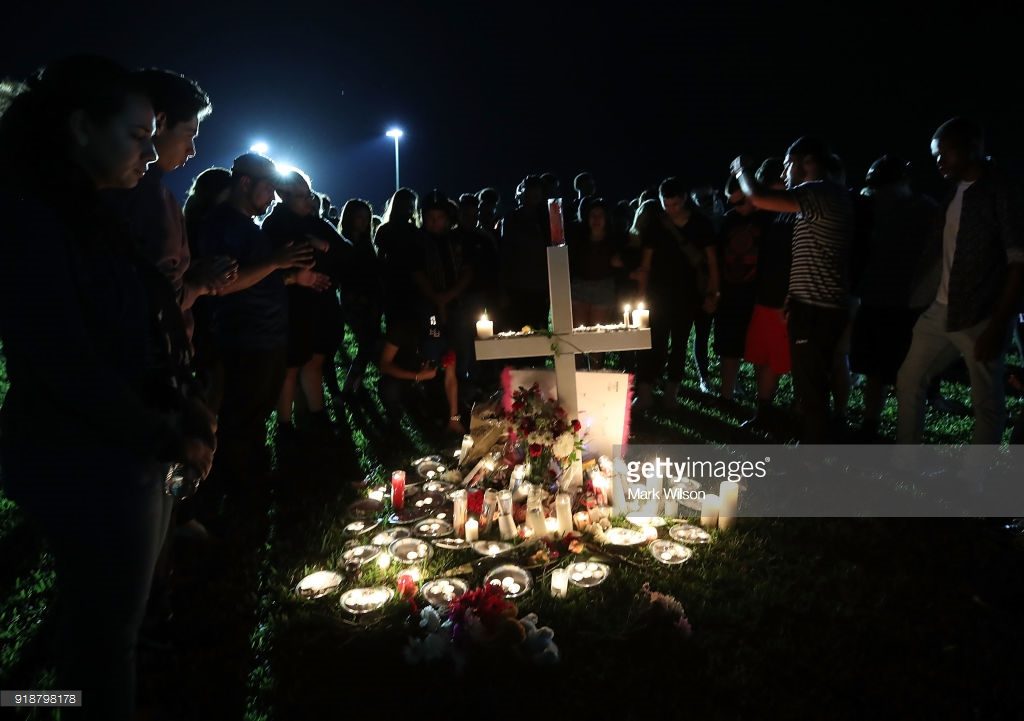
(148, 343)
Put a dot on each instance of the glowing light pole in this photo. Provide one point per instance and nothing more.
(396, 134)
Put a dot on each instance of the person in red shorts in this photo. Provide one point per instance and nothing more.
(767, 343)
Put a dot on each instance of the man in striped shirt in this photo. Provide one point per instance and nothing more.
(818, 301)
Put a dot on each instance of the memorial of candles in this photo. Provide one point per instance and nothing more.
(513, 580)
(484, 329)
(491, 548)
(318, 584)
(410, 550)
(360, 554)
(364, 600)
(670, 552)
(442, 591)
(467, 444)
(459, 510)
(602, 487)
(709, 511)
(641, 317)
(535, 520)
(563, 513)
(587, 574)
(487, 510)
(398, 489)
(689, 534)
(559, 583)
(472, 530)
(729, 496)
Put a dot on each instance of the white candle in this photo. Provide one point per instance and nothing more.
(384, 561)
(467, 444)
(459, 511)
(641, 317)
(625, 315)
(535, 520)
(709, 511)
(650, 533)
(551, 526)
(559, 583)
(507, 527)
(601, 487)
(377, 494)
(563, 513)
(671, 508)
(505, 503)
(484, 327)
(729, 493)
(472, 530)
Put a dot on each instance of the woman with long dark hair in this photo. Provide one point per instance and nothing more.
(362, 293)
(99, 416)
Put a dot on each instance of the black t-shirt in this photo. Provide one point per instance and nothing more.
(773, 260)
(418, 345)
(679, 265)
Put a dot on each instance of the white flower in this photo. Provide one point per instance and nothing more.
(565, 445)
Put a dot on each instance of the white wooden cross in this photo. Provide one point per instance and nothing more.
(565, 342)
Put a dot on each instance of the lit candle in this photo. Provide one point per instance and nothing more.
(377, 494)
(563, 513)
(459, 511)
(650, 533)
(555, 221)
(398, 489)
(601, 487)
(505, 503)
(535, 520)
(507, 527)
(384, 561)
(625, 315)
(487, 509)
(709, 511)
(484, 329)
(551, 526)
(472, 530)
(641, 317)
(467, 440)
(559, 583)
(729, 493)
(581, 520)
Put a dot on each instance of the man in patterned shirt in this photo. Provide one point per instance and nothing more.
(819, 285)
(979, 290)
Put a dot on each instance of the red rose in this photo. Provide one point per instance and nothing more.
(475, 502)
(535, 449)
(576, 425)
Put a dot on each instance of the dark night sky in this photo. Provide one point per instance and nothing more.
(487, 92)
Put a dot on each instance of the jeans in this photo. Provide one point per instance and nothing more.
(104, 518)
(814, 335)
(671, 318)
(932, 349)
(249, 385)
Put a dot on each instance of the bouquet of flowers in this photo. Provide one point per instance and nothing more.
(659, 615)
(546, 432)
(481, 620)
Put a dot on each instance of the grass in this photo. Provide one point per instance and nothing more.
(797, 618)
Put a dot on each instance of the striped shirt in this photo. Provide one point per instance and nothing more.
(822, 239)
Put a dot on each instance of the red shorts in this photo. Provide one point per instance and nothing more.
(768, 340)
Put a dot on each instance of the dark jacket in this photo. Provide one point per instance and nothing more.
(82, 320)
(991, 236)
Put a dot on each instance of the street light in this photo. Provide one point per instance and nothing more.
(396, 134)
